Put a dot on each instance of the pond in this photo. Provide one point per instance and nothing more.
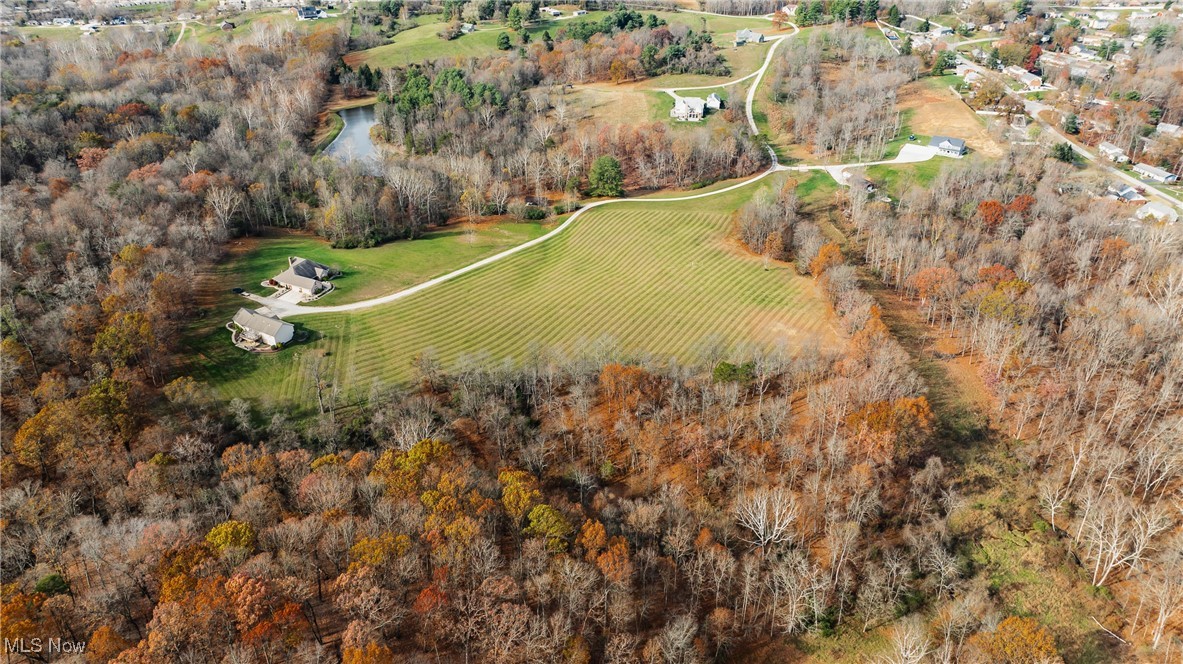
(354, 143)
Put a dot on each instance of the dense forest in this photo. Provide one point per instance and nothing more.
(599, 506)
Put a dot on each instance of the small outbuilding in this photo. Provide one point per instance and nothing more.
(714, 102)
(258, 328)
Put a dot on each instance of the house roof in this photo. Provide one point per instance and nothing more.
(257, 322)
(947, 143)
(746, 34)
(308, 268)
(694, 103)
(1152, 170)
(1158, 210)
(1108, 147)
(1168, 129)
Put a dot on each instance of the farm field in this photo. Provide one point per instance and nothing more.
(421, 43)
(662, 279)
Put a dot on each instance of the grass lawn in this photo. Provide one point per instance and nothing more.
(421, 44)
(894, 177)
(655, 279)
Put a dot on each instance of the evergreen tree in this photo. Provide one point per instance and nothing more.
(894, 17)
(1071, 124)
(906, 47)
(606, 177)
(503, 43)
(871, 10)
(1064, 152)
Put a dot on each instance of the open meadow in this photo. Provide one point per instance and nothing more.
(659, 278)
(422, 43)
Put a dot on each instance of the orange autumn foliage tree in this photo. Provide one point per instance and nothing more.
(371, 654)
(1017, 640)
(830, 255)
(992, 213)
(885, 430)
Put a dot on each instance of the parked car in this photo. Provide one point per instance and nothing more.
(238, 291)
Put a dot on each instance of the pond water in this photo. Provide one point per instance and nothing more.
(354, 143)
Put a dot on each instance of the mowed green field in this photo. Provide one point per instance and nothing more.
(647, 278)
(422, 43)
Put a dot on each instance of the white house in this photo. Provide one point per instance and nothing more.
(1155, 173)
(689, 109)
(745, 35)
(714, 102)
(1158, 211)
(1112, 152)
(949, 147)
(1168, 129)
(261, 328)
(310, 13)
(304, 276)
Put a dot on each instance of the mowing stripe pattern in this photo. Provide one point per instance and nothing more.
(653, 280)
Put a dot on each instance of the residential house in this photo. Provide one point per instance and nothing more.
(969, 74)
(467, 28)
(688, 109)
(1124, 193)
(1112, 152)
(309, 13)
(1155, 173)
(304, 276)
(1160, 212)
(63, 21)
(1167, 129)
(714, 102)
(745, 35)
(1023, 76)
(261, 328)
(949, 147)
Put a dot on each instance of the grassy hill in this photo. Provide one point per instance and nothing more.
(659, 278)
(422, 43)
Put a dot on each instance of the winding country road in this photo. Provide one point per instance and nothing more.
(909, 154)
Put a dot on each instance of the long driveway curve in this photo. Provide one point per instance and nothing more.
(285, 309)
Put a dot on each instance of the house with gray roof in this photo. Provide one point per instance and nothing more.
(260, 328)
(949, 147)
(747, 35)
(1159, 212)
(1155, 173)
(305, 276)
(689, 109)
